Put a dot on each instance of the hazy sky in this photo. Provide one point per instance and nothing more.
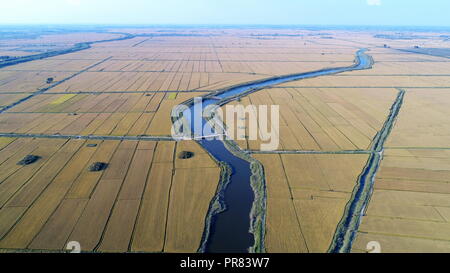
(323, 12)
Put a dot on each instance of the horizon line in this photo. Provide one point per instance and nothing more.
(220, 24)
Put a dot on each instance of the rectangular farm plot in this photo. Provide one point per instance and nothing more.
(53, 65)
(152, 81)
(188, 205)
(125, 195)
(306, 199)
(395, 56)
(408, 211)
(405, 68)
(183, 63)
(9, 99)
(136, 201)
(25, 81)
(131, 114)
(90, 103)
(423, 120)
(402, 81)
(280, 67)
(322, 118)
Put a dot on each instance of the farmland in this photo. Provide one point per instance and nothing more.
(324, 119)
(86, 152)
(118, 114)
(407, 211)
(306, 198)
(57, 199)
(410, 204)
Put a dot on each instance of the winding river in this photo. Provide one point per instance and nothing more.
(231, 229)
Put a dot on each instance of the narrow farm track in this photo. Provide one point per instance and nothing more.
(347, 228)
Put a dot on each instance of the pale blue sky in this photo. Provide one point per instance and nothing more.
(302, 12)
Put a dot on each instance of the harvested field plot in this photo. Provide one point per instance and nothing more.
(7, 99)
(424, 69)
(19, 81)
(392, 68)
(134, 204)
(395, 56)
(72, 169)
(409, 208)
(151, 81)
(306, 198)
(52, 65)
(327, 119)
(423, 121)
(373, 81)
(187, 63)
(98, 114)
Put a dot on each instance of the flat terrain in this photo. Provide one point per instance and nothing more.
(324, 119)
(25, 42)
(410, 204)
(147, 199)
(409, 209)
(306, 198)
(117, 114)
(423, 121)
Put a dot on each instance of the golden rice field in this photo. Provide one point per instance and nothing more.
(129, 114)
(324, 119)
(136, 204)
(383, 81)
(306, 198)
(407, 212)
(410, 206)
(423, 121)
(27, 81)
(149, 200)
